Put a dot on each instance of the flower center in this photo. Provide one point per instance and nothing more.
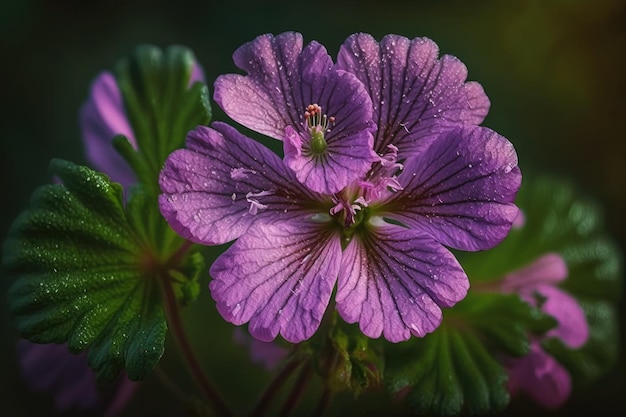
(317, 124)
(349, 214)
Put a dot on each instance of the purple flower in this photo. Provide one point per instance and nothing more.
(379, 236)
(539, 374)
(52, 368)
(294, 94)
(102, 117)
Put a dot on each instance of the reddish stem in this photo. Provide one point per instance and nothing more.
(176, 326)
(275, 386)
(296, 393)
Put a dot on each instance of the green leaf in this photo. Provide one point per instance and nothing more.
(87, 274)
(449, 372)
(455, 369)
(161, 106)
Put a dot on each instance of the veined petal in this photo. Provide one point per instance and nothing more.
(283, 80)
(269, 98)
(460, 190)
(541, 377)
(278, 277)
(394, 281)
(349, 150)
(102, 117)
(415, 94)
(222, 183)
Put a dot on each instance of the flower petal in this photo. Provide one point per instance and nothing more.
(269, 98)
(572, 326)
(349, 153)
(222, 183)
(197, 74)
(279, 278)
(461, 189)
(394, 281)
(102, 117)
(541, 377)
(547, 269)
(53, 369)
(283, 80)
(415, 95)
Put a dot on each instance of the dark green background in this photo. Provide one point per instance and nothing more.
(553, 69)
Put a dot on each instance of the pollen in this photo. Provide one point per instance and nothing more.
(316, 120)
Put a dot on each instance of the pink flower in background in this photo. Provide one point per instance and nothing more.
(53, 369)
(102, 117)
(538, 374)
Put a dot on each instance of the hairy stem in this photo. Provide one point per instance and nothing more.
(176, 326)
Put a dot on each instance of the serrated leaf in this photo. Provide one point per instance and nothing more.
(161, 106)
(85, 274)
(455, 369)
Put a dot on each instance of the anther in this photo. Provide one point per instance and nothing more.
(315, 119)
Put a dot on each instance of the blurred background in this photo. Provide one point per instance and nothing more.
(553, 69)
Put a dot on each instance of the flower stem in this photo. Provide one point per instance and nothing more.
(296, 393)
(275, 386)
(324, 403)
(180, 253)
(175, 324)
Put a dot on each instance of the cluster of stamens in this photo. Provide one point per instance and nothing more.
(315, 119)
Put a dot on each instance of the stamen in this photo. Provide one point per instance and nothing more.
(389, 159)
(317, 123)
(241, 173)
(315, 119)
(349, 210)
(255, 205)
